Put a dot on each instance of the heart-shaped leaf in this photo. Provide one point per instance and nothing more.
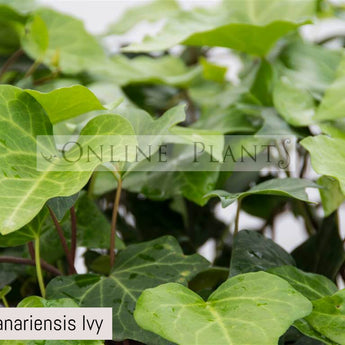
(23, 118)
(132, 274)
(252, 309)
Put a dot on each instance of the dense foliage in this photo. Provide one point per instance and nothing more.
(140, 231)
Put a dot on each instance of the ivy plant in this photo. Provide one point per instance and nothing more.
(127, 229)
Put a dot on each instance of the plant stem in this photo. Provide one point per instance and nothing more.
(74, 233)
(11, 60)
(22, 261)
(32, 69)
(38, 268)
(114, 220)
(4, 301)
(237, 217)
(63, 243)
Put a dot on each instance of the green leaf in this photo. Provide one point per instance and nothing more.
(327, 156)
(328, 317)
(322, 253)
(253, 252)
(60, 205)
(91, 218)
(132, 274)
(36, 38)
(169, 70)
(11, 29)
(66, 103)
(23, 118)
(153, 11)
(294, 104)
(331, 195)
(304, 327)
(332, 104)
(252, 309)
(289, 187)
(310, 67)
(30, 232)
(244, 30)
(212, 71)
(71, 49)
(5, 291)
(313, 286)
(39, 302)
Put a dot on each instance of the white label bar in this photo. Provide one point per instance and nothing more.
(56, 324)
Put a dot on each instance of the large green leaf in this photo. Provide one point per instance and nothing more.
(327, 157)
(289, 187)
(71, 49)
(328, 317)
(153, 11)
(68, 102)
(22, 117)
(253, 252)
(252, 309)
(318, 339)
(313, 286)
(241, 27)
(137, 268)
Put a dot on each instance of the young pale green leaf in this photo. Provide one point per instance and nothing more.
(213, 72)
(244, 30)
(153, 11)
(23, 118)
(67, 102)
(331, 195)
(39, 302)
(289, 187)
(332, 104)
(36, 38)
(313, 286)
(5, 291)
(327, 157)
(252, 309)
(328, 317)
(294, 104)
(71, 49)
(253, 252)
(132, 274)
(60, 205)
